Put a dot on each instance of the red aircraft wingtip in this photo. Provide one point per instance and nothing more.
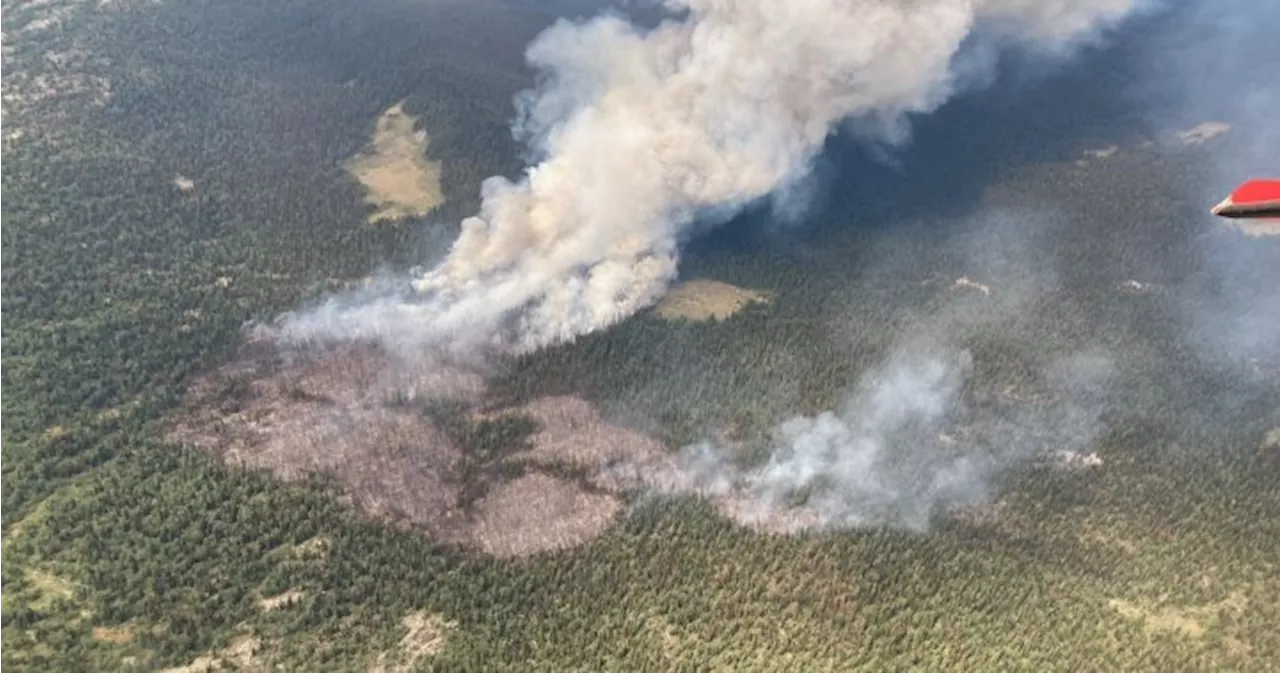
(1254, 198)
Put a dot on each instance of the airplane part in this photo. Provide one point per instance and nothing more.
(1253, 199)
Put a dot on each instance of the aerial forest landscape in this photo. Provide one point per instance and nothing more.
(680, 335)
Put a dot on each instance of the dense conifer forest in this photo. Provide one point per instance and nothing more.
(123, 551)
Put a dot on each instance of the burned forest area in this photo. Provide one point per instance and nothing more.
(979, 404)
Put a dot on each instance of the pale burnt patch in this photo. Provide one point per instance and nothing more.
(407, 442)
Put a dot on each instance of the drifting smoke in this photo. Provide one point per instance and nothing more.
(641, 134)
(1220, 63)
(905, 445)
(875, 461)
(926, 430)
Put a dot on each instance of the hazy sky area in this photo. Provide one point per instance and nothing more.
(1215, 62)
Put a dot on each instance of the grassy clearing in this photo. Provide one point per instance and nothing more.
(399, 179)
(702, 300)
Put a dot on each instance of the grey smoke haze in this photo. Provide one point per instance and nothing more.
(924, 430)
(1221, 63)
(639, 134)
(877, 460)
(906, 444)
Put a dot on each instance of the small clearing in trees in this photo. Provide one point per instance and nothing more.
(701, 300)
(399, 179)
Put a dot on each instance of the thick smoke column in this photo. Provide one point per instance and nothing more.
(639, 134)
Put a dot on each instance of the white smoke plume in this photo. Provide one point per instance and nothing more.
(641, 133)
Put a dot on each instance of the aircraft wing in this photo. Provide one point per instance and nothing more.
(1253, 199)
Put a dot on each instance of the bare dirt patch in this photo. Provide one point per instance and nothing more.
(963, 282)
(116, 635)
(51, 588)
(1237, 647)
(1202, 132)
(1111, 538)
(1168, 619)
(428, 634)
(407, 442)
(1271, 441)
(244, 654)
(399, 179)
(314, 548)
(1098, 153)
(1190, 621)
(287, 599)
(701, 300)
(55, 432)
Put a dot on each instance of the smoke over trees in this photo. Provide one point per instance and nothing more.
(638, 134)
